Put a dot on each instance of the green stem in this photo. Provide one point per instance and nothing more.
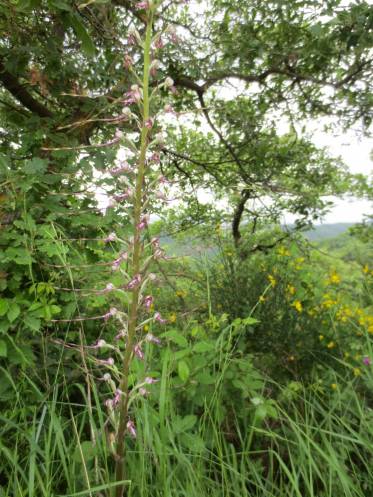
(136, 266)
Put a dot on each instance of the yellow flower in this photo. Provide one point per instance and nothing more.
(180, 293)
(366, 269)
(346, 355)
(283, 252)
(272, 280)
(357, 371)
(321, 337)
(172, 317)
(262, 299)
(146, 328)
(297, 304)
(331, 345)
(290, 289)
(334, 278)
(334, 386)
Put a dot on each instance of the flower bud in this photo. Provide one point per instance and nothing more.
(169, 82)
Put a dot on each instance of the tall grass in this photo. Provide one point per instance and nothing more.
(320, 445)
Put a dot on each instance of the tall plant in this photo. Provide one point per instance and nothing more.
(144, 184)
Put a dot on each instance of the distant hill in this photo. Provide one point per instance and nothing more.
(330, 236)
(325, 231)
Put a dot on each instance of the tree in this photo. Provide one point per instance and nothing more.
(63, 79)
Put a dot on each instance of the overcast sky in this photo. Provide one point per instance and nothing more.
(354, 152)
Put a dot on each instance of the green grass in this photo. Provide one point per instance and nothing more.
(320, 445)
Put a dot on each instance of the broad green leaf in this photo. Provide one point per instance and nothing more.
(183, 371)
(181, 424)
(85, 450)
(193, 442)
(201, 347)
(32, 323)
(13, 312)
(35, 165)
(3, 349)
(175, 337)
(86, 41)
(4, 306)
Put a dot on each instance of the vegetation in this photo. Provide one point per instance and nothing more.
(161, 332)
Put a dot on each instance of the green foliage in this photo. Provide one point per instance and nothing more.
(262, 387)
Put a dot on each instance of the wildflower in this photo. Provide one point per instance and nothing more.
(128, 61)
(123, 196)
(148, 301)
(321, 337)
(118, 134)
(172, 318)
(142, 5)
(169, 82)
(169, 109)
(180, 293)
(110, 238)
(290, 289)
(113, 311)
(283, 252)
(158, 317)
(297, 304)
(126, 112)
(131, 428)
(262, 299)
(146, 328)
(367, 361)
(331, 345)
(107, 362)
(138, 351)
(334, 386)
(117, 262)
(109, 288)
(99, 344)
(150, 380)
(136, 280)
(120, 335)
(106, 377)
(143, 391)
(155, 157)
(334, 278)
(109, 404)
(159, 43)
(118, 394)
(143, 223)
(133, 96)
(149, 123)
(152, 339)
(357, 371)
(154, 67)
(272, 280)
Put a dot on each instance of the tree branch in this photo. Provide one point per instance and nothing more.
(20, 93)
